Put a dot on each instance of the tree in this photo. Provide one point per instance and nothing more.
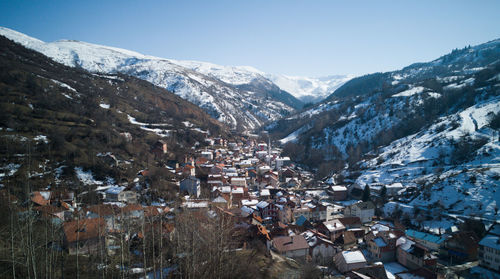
(366, 193)
(383, 194)
(475, 226)
(309, 270)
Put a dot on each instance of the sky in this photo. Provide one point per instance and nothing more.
(298, 38)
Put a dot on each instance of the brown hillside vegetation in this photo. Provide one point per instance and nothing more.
(83, 115)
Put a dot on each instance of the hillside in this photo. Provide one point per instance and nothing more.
(430, 125)
(238, 96)
(58, 122)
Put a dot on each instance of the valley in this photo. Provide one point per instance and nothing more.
(116, 164)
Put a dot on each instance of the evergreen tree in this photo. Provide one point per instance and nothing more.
(383, 194)
(366, 193)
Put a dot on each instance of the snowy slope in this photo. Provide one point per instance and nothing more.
(212, 87)
(426, 126)
(235, 75)
(366, 106)
(428, 160)
(309, 89)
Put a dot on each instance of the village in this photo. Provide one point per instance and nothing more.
(260, 199)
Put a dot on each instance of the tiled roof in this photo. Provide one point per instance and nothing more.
(84, 229)
(425, 236)
(39, 199)
(290, 243)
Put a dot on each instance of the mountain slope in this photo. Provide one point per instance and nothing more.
(222, 97)
(309, 90)
(56, 119)
(454, 163)
(377, 102)
(429, 125)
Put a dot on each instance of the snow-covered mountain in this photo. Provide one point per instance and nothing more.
(106, 122)
(241, 97)
(429, 125)
(309, 90)
(454, 163)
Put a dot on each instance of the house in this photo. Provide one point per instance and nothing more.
(132, 211)
(291, 182)
(187, 170)
(41, 197)
(191, 185)
(207, 155)
(382, 245)
(413, 255)
(350, 222)
(373, 271)
(333, 229)
(284, 213)
(489, 249)
(393, 189)
(321, 249)
(353, 237)
(364, 210)
(128, 197)
(430, 241)
(461, 246)
(238, 194)
(267, 210)
(195, 205)
(265, 194)
(63, 196)
(112, 192)
(221, 202)
(282, 162)
(288, 173)
(53, 213)
(238, 181)
(291, 246)
(106, 211)
(313, 212)
(339, 193)
(319, 212)
(422, 273)
(346, 261)
(159, 148)
(84, 236)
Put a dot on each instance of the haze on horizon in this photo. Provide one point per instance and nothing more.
(295, 38)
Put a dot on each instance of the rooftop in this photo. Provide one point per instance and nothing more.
(491, 241)
(425, 236)
(353, 257)
(290, 243)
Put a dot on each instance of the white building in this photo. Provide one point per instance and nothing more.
(281, 162)
(191, 185)
(489, 252)
(207, 154)
(239, 181)
(346, 261)
(364, 210)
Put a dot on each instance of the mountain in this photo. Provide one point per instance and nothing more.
(238, 96)
(431, 126)
(309, 90)
(58, 121)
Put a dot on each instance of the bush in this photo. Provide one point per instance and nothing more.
(494, 121)
(465, 147)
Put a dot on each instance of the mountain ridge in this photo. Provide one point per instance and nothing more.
(222, 100)
(429, 126)
(68, 118)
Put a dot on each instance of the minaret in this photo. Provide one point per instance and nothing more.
(268, 145)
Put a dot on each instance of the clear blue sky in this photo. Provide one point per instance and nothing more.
(309, 38)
